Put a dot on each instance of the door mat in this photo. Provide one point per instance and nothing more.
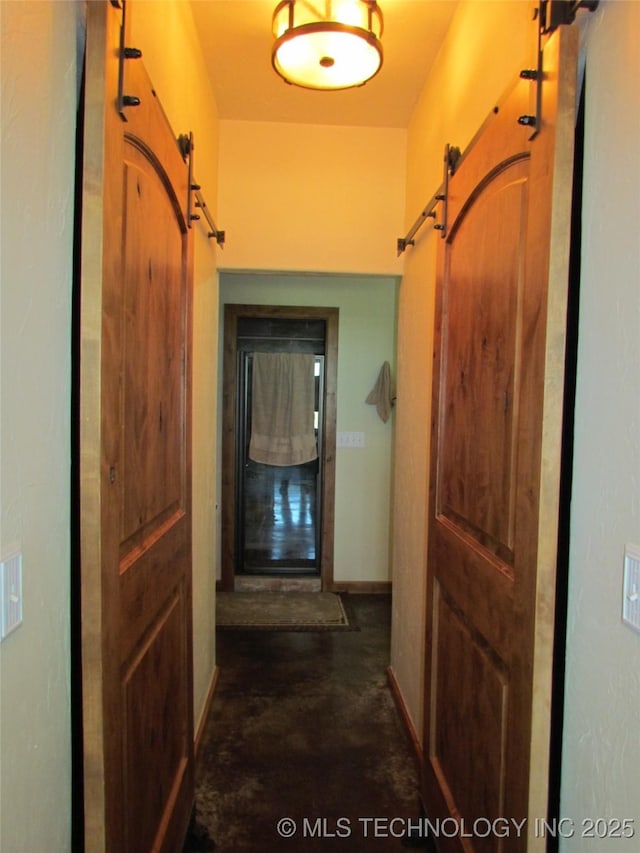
(283, 611)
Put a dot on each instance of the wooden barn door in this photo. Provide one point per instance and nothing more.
(135, 480)
(495, 469)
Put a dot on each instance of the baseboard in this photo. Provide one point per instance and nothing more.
(359, 587)
(402, 709)
(204, 716)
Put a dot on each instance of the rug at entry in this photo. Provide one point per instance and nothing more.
(282, 611)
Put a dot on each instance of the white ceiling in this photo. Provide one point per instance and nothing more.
(236, 38)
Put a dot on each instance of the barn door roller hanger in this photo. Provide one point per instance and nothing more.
(451, 159)
(184, 141)
(195, 199)
(550, 14)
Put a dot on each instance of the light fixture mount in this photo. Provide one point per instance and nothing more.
(327, 44)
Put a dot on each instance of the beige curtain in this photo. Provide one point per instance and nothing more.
(282, 406)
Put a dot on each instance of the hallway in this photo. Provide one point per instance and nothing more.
(303, 726)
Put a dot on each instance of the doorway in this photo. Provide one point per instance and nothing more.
(278, 518)
(277, 521)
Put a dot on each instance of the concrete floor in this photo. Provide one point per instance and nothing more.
(303, 730)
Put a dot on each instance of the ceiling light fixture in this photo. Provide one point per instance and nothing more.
(327, 44)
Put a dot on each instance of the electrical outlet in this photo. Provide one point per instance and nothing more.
(631, 587)
(350, 439)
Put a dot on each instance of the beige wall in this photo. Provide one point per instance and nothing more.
(367, 307)
(38, 150)
(601, 755)
(178, 74)
(311, 197)
(486, 46)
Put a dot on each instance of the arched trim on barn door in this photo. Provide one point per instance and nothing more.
(134, 450)
(496, 453)
(230, 431)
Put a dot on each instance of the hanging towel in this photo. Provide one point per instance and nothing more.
(283, 398)
(381, 395)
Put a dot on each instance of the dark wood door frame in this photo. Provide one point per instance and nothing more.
(229, 430)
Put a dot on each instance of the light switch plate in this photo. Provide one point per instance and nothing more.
(10, 594)
(631, 587)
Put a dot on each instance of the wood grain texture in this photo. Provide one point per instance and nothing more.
(497, 414)
(135, 462)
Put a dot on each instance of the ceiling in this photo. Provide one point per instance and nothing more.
(236, 38)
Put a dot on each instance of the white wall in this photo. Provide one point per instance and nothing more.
(601, 756)
(366, 339)
(38, 152)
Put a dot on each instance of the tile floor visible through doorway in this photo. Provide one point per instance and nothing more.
(278, 518)
(303, 729)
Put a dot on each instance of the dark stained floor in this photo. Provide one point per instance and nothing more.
(303, 729)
